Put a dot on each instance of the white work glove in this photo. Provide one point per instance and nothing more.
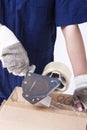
(80, 94)
(12, 54)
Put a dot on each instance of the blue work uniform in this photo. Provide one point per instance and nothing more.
(34, 23)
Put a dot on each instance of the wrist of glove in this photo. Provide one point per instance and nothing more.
(80, 94)
(12, 53)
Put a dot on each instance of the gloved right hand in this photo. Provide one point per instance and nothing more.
(80, 94)
(12, 53)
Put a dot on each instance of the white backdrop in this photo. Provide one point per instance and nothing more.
(60, 53)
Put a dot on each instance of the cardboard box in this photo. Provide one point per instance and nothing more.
(17, 114)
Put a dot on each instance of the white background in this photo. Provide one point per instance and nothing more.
(60, 53)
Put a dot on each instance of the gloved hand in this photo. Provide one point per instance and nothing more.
(12, 53)
(80, 94)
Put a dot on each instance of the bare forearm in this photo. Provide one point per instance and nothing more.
(75, 48)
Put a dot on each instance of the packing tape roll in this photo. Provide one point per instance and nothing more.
(59, 68)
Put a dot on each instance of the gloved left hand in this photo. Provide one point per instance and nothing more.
(80, 94)
(12, 53)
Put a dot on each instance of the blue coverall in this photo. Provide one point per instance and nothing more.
(34, 23)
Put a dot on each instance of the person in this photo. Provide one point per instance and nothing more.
(28, 37)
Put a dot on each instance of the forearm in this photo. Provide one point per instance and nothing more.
(12, 53)
(7, 38)
(75, 49)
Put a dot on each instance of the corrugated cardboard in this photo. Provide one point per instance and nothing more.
(17, 114)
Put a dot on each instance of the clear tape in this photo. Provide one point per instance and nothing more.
(57, 105)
